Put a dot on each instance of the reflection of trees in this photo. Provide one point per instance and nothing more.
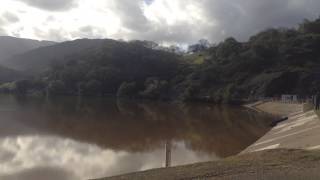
(142, 126)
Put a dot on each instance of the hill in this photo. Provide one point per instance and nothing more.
(39, 60)
(10, 46)
(8, 75)
(98, 67)
(270, 63)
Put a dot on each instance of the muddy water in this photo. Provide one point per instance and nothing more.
(69, 138)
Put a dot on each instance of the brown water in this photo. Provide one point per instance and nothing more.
(73, 138)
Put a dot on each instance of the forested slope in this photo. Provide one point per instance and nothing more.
(270, 63)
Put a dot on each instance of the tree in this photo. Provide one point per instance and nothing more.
(175, 49)
(127, 90)
(228, 48)
(57, 88)
(155, 89)
(147, 44)
(267, 44)
(311, 27)
(202, 45)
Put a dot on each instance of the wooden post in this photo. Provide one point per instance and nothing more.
(168, 147)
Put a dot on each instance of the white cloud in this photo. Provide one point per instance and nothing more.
(167, 21)
(58, 26)
(10, 17)
(27, 154)
(23, 153)
(56, 5)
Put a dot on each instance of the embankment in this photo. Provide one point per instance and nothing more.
(300, 131)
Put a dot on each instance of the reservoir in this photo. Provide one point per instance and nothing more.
(69, 138)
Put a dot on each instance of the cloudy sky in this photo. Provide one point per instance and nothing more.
(163, 21)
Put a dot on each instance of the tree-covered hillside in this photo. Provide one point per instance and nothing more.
(98, 67)
(270, 63)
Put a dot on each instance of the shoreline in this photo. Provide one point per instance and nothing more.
(300, 131)
(259, 153)
(277, 164)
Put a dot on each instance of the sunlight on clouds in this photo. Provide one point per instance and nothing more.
(99, 19)
(180, 21)
(18, 154)
(32, 152)
(39, 24)
(163, 21)
(96, 14)
(172, 12)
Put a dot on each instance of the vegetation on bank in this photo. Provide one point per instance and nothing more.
(271, 63)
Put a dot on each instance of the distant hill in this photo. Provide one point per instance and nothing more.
(10, 46)
(39, 60)
(8, 75)
(99, 67)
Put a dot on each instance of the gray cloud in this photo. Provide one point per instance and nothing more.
(89, 32)
(219, 19)
(133, 18)
(149, 2)
(243, 18)
(7, 18)
(131, 14)
(51, 5)
(1, 22)
(238, 18)
(10, 17)
(178, 33)
(50, 19)
(6, 156)
(57, 35)
(2, 31)
(87, 29)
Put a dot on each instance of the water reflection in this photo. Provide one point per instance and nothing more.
(72, 138)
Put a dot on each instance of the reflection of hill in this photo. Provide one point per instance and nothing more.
(141, 126)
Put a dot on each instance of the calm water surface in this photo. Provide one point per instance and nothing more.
(73, 138)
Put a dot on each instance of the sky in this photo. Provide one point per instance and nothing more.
(162, 21)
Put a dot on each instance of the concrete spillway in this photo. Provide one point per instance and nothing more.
(300, 131)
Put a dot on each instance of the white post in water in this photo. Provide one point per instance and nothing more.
(168, 147)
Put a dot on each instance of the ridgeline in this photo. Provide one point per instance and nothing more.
(270, 63)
